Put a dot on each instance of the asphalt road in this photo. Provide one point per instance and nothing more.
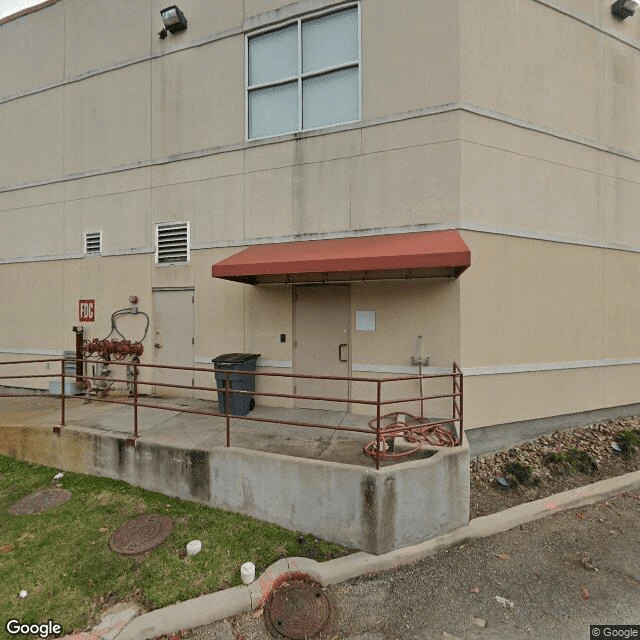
(562, 574)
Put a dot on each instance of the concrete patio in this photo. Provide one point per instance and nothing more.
(188, 430)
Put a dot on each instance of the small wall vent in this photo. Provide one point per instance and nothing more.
(172, 242)
(93, 243)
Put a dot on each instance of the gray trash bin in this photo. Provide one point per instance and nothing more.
(239, 403)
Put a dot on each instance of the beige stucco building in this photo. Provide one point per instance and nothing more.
(511, 124)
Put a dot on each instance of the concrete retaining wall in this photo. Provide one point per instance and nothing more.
(488, 440)
(375, 511)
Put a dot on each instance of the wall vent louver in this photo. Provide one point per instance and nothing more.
(172, 242)
(93, 243)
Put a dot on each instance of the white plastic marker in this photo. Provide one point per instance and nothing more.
(248, 572)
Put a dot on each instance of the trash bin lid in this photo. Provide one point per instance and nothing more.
(235, 358)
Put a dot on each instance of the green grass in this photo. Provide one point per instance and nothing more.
(629, 441)
(573, 461)
(519, 473)
(62, 559)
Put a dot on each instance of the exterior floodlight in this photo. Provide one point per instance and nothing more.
(625, 8)
(173, 20)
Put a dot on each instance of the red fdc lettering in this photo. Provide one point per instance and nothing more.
(86, 310)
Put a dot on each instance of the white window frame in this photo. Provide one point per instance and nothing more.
(300, 76)
(157, 247)
(94, 253)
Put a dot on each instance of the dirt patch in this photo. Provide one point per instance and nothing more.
(554, 463)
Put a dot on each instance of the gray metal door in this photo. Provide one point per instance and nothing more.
(321, 344)
(174, 339)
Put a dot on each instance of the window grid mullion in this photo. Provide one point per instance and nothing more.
(300, 121)
(304, 75)
(273, 83)
(359, 61)
(336, 67)
(246, 88)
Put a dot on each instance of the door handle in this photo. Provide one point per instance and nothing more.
(157, 345)
(340, 347)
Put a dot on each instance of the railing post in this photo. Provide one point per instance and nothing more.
(227, 406)
(461, 404)
(453, 394)
(62, 394)
(135, 401)
(378, 441)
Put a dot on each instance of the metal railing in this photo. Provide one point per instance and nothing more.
(416, 430)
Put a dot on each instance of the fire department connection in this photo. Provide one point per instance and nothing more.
(115, 346)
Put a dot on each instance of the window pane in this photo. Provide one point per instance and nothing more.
(273, 110)
(273, 56)
(330, 40)
(331, 98)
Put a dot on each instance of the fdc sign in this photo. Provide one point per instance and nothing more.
(86, 310)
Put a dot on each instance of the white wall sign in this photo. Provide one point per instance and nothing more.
(365, 320)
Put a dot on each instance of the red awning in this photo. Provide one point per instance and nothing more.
(403, 255)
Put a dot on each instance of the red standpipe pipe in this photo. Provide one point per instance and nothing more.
(79, 331)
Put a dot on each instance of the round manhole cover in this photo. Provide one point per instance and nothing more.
(141, 534)
(298, 610)
(40, 501)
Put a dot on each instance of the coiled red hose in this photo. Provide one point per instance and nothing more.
(421, 432)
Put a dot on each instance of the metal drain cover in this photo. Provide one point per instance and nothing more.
(40, 501)
(299, 610)
(141, 534)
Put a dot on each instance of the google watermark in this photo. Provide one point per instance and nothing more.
(44, 630)
(598, 631)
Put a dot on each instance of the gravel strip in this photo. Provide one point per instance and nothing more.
(592, 444)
